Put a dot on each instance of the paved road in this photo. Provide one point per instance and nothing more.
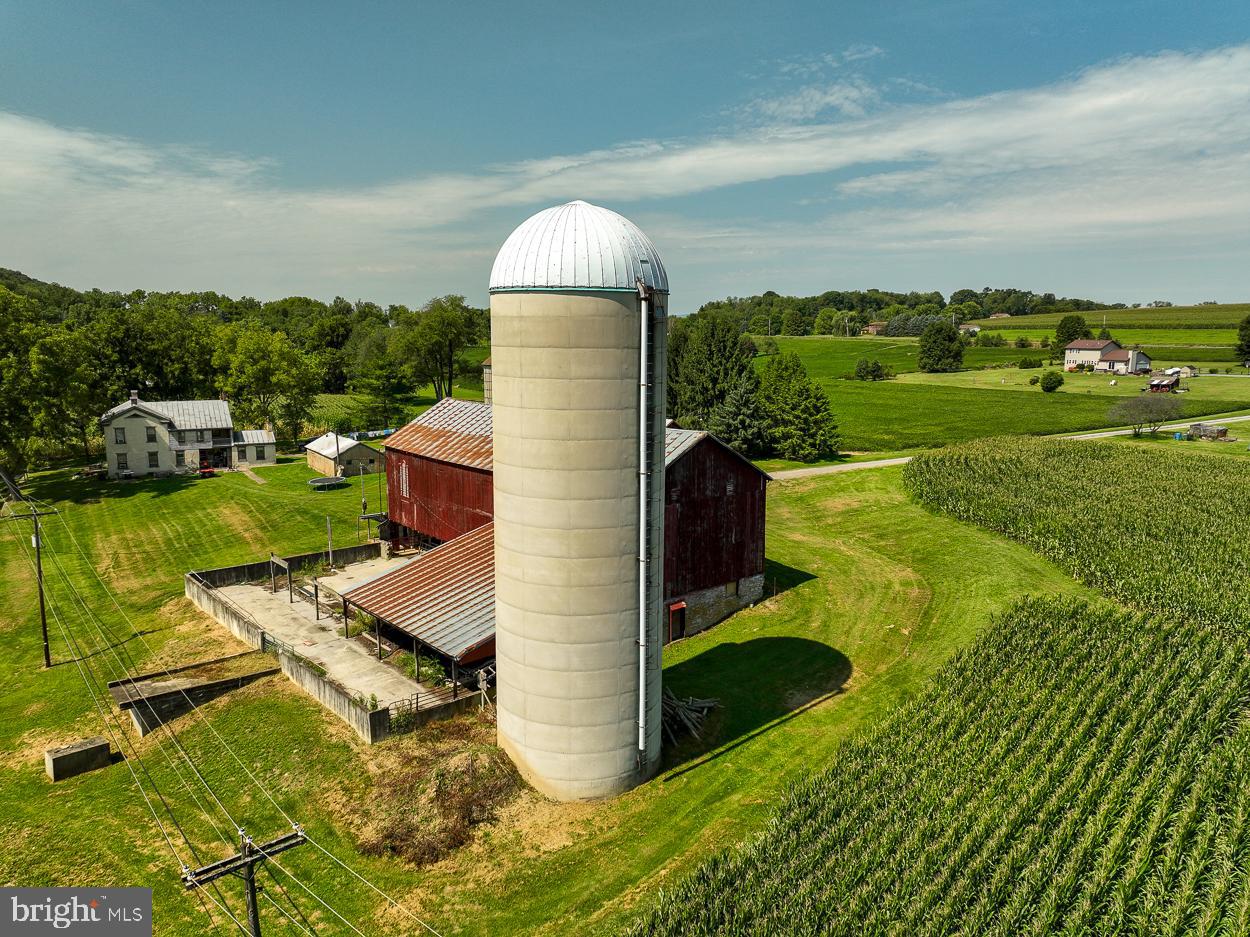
(903, 460)
(844, 467)
(1170, 428)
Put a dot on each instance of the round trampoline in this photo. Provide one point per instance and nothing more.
(320, 484)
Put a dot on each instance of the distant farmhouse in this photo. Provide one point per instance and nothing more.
(164, 437)
(1105, 354)
(337, 456)
(874, 328)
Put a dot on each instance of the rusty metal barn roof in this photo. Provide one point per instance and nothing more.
(455, 431)
(461, 432)
(444, 598)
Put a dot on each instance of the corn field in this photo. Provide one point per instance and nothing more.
(1164, 532)
(1082, 768)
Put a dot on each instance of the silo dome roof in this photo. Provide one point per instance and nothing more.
(577, 246)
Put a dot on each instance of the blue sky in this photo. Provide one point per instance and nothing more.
(385, 150)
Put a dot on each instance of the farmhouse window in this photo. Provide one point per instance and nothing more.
(182, 438)
(123, 462)
(154, 460)
(180, 458)
(242, 453)
(260, 453)
(199, 435)
(151, 431)
(119, 435)
(403, 479)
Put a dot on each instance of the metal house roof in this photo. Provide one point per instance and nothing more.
(455, 431)
(577, 246)
(444, 598)
(184, 414)
(253, 436)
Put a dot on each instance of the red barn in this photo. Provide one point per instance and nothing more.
(439, 473)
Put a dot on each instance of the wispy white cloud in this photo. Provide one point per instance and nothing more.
(1143, 147)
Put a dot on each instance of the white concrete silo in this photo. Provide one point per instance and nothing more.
(578, 299)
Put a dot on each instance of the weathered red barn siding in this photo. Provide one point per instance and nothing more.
(714, 520)
(443, 500)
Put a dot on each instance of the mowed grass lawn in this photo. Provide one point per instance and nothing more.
(872, 594)
(1231, 392)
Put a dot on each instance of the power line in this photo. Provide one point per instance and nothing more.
(251, 776)
(109, 729)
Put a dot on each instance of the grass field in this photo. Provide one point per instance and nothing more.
(873, 595)
(830, 358)
(1228, 391)
(1222, 316)
(924, 411)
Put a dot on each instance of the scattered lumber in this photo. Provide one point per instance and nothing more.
(682, 716)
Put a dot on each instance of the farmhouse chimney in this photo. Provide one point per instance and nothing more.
(134, 396)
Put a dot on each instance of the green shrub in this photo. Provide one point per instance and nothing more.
(1051, 382)
(1033, 380)
(1029, 363)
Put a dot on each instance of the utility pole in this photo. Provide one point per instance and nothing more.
(243, 864)
(33, 517)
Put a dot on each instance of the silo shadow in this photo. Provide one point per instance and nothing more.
(761, 684)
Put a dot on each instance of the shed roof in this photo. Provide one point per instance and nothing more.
(332, 444)
(577, 246)
(184, 414)
(445, 598)
(253, 437)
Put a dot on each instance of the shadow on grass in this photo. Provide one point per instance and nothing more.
(761, 684)
(779, 578)
(62, 486)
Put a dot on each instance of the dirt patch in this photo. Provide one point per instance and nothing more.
(430, 791)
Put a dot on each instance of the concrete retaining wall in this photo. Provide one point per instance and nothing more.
(207, 600)
(151, 712)
(252, 572)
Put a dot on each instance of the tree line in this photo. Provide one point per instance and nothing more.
(847, 312)
(66, 356)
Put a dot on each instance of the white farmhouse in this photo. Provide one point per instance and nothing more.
(1105, 354)
(166, 436)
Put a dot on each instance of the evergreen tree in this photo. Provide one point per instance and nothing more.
(712, 363)
(739, 420)
(799, 422)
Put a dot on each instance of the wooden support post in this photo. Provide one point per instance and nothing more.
(377, 631)
(345, 632)
(316, 600)
(455, 680)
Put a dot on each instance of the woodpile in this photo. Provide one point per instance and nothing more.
(684, 715)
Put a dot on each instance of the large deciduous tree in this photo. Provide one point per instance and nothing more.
(18, 328)
(267, 379)
(1146, 410)
(1243, 339)
(941, 348)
